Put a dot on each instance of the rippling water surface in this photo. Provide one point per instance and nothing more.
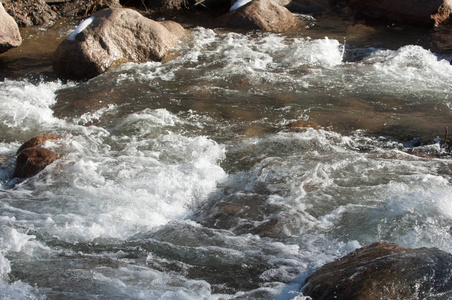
(232, 171)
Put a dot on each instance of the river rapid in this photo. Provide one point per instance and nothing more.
(189, 180)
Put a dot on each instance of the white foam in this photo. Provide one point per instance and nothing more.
(410, 69)
(146, 182)
(27, 106)
(82, 26)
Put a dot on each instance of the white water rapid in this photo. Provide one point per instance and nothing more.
(185, 179)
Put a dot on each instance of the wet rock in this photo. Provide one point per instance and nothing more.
(32, 157)
(264, 15)
(112, 37)
(384, 271)
(38, 141)
(419, 12)
(31, 12)
(33, 160)
(9, 32)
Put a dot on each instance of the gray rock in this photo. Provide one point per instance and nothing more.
(112, 37)
(264, 15)
(9, 31)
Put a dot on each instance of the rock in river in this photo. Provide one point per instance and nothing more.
(264, 15)
(9, 31)
(32, 157)
(418, 12)
(384, 271)
(111, 37)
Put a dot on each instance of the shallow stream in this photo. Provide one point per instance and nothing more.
(232, 171)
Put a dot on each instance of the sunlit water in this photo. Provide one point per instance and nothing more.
(185, 179)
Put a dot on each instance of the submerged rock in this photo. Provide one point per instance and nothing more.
(32, 158)
(9, 31)
(264, 15)
(111, 37)
(419, 12)
(384, 271)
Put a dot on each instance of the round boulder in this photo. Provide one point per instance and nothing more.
(9, 31)
(111, 37)
(32, 158)
(384, 271)
(264, 15)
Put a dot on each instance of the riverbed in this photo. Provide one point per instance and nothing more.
(232, 171)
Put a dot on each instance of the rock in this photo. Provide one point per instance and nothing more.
(111, 37)
(38, 141)
(264, 15)
(418, 12)
(32, 158)
(384, 271)
(31, 12)
(9, 32)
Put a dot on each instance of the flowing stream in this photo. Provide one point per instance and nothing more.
(189, 179)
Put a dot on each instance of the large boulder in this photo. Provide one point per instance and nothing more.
(114, 36)
(384, 271)
(32, 157)
(264, 15)
(419, 12)
(9, 32)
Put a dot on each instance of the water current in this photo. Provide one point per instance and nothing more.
(232, 171)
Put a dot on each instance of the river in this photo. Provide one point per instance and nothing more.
(232, 171)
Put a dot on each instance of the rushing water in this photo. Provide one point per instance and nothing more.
(186, 179)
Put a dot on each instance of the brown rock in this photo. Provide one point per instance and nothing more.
(31, 12)
(384, 271)
(38, 140)
(264, 15)
(419, 12)
(33, 160)
(114, 36)
(9, 32)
